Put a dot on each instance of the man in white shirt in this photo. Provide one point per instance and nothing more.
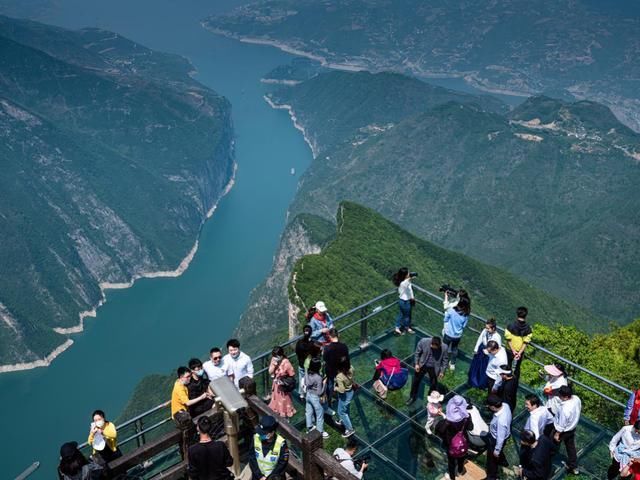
(238, 363)
(345, 457)
(497, 358)
(565, 421)
(539, 416)
(499, 433)
(215, 367)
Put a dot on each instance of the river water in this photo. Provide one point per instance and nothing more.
(159, 324)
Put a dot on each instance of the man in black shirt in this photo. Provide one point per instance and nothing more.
(506, 387)
(536, 456)
(209, 459)
(333, 355)
(198, 385)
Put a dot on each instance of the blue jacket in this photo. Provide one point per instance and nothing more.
(454, 323)
(317, 325)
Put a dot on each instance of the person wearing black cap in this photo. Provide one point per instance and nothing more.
(506, 387)
(271, 451)
(74, 465)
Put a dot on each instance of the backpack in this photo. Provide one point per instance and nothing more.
(287, 384)
(459, 445)
(397, 380)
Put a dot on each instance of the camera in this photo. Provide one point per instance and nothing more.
(413, 274)
(363, 459)
(446, 288)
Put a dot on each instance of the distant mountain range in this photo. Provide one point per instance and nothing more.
(111, 156)
(545, 191)
(586, 48)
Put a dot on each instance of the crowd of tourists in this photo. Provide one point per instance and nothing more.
(325, 382)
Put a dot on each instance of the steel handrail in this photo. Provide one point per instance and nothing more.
(542, 349)
(376, 312)
(336, 319)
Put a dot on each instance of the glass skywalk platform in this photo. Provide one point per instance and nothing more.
(393, 434)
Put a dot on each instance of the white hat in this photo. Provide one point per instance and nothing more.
(435, 397)
(503, 371)
(321, 307)
(98, 442)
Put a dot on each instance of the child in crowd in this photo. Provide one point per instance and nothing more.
(434, 410)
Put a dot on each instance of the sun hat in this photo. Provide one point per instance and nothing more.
(456, 409)
(552, 370)
(503, 371)
(321, 307)
(435, 397)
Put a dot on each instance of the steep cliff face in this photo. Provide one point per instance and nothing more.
(269, 308)
(112, 157)
(543, 191)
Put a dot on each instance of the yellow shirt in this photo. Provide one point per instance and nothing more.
(109, 434)
(516, 342)
(179, 398)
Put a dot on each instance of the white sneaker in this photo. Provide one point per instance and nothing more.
(446, 477)
(325, 435)
(452, 366)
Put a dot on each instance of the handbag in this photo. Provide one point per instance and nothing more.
(381, 388)
(287, 383)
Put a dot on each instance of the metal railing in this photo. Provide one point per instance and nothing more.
(382, 303)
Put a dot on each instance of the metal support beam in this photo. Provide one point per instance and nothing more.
(231, 429)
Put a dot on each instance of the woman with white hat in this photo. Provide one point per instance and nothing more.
(321, 322)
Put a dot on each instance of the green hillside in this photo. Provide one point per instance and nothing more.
(358, 266)
(111, 157)
(544, 191)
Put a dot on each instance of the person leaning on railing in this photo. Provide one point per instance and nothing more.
(103, 437)
(624, 447)
(518, 335)
(345, 457)
(632, 409)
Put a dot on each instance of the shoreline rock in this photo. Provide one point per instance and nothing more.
(104, 286)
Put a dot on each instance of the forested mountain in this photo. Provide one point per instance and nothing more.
(111, 157)
(586, 48)
(544, 191)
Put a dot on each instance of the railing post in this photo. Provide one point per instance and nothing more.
(310, 443)
(364, 327)
(138, 429)
(142, 439)
(231, 428)
(265, 376)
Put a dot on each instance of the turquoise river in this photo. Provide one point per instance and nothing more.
(159, 323)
